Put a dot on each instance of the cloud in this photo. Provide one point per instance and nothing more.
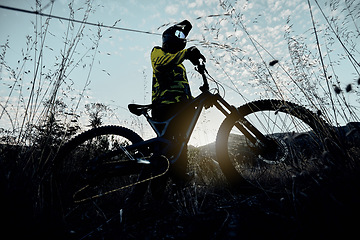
(172, 9)
(200, 13)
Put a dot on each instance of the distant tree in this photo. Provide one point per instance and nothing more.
(96, 112)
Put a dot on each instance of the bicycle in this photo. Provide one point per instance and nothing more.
(109, 163)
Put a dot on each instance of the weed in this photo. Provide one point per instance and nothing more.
(308, 194)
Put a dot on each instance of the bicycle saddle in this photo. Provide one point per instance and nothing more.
(138, 109)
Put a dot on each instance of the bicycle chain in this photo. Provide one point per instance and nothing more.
(118, 189)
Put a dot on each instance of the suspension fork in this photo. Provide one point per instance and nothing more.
(244, 126)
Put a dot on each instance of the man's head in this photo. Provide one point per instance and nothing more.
(174, 38)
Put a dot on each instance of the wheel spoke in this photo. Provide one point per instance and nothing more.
(292, 137)
(87, 168)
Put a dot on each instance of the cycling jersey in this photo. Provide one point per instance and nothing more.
(170, 83)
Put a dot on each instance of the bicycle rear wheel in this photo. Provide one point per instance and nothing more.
(89, 172)
(295, 135)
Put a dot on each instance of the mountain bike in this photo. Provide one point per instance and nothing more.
(109, 164)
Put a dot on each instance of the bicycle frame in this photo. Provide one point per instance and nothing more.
(205, 100)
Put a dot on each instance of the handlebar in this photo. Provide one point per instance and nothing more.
(200, 68)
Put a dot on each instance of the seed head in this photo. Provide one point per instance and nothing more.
(273, 62)
(337, 89)
(348, 88)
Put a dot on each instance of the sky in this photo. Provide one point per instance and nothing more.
(238, 38)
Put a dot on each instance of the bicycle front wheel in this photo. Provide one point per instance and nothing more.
(89, 172)
(295, 134)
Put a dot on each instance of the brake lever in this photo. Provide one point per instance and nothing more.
(200, 67)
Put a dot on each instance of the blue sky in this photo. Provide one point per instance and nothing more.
(121, 69)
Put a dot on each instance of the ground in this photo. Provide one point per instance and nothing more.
(319, 203)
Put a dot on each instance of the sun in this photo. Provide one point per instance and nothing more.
(206, 128)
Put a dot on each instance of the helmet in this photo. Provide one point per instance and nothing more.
(174, 38)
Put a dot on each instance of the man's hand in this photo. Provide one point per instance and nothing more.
(193, 54)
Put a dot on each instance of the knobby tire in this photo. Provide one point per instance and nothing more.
(68, 177)
(231, 164)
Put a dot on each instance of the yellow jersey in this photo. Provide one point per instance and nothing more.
(170, 83)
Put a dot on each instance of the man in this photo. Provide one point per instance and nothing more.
(170, 86)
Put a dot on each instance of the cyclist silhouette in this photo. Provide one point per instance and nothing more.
(170, 86)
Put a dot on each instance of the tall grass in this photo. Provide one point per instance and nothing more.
(42, 106)
(40, 86)
(307, 72)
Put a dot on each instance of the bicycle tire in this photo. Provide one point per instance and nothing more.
(94, 132)
(242, 165)
(68, 177)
